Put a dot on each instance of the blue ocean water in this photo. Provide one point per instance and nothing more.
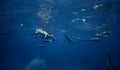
(80, 20)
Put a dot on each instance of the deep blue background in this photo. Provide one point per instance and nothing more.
(19, 47)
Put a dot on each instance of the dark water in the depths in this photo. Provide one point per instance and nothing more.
(21, 50)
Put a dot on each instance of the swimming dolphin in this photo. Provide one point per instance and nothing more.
(68, 39)
(104, 34)
(94, 39)
(41, 32)
(80, 39)
(45, 36)
(99, 35)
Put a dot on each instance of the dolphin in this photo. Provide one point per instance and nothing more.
(68, 39)
(41, 32)
(94, 39)
(45, 35)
